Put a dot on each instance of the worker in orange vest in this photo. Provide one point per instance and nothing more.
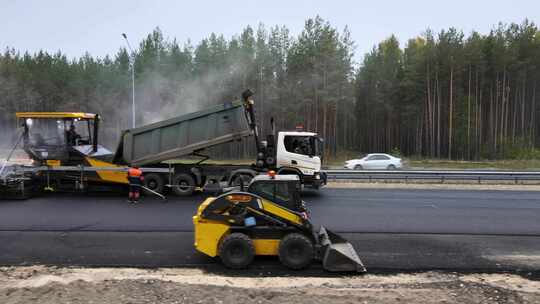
(135, 179)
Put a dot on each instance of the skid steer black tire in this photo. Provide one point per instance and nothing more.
(155, 182)
(183, 184)
(296, 251)
(236, 251)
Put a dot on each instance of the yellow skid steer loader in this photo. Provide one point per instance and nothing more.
(268, 219)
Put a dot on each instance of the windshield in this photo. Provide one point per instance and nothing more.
(53, 132)
(305, 145)
(44, 132)
(81, 128)
(318, 143)
(285, 194)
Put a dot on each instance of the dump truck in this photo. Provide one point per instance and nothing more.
(65, 149)
(269, 219)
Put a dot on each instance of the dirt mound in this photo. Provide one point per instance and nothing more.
(104, 285)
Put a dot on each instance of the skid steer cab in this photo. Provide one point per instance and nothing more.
(269, 219)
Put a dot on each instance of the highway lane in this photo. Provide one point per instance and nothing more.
(343, 210)
(379, 252)
(392, 230)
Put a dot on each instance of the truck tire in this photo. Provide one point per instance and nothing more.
(236, 251)
(183, 184)
(155, 182)
(296, 251)
(241, 178)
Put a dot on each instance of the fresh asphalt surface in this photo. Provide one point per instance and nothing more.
(392, 230)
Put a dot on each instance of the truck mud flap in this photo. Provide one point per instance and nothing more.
(338, 254)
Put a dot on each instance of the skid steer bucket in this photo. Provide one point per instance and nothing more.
(338, 254)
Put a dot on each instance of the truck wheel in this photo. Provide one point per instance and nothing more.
(236, 251)
(183, 184)
(154, 182)
(296, 251)
(241, 178)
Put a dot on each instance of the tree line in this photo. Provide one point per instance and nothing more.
(442, 95)
(449, 96)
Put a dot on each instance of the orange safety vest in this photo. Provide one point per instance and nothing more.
(135, 177)
(133, 172)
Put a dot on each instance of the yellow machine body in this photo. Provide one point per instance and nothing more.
(119, 177)
(209, 233)
(62, 155)
(53, 162)
(268, 219)
(281, 212)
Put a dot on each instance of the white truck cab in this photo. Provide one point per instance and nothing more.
(288, 152)
(300, 153)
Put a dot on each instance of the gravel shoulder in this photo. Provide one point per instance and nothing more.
(40, 284)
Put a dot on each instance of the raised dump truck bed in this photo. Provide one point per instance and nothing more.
(183, 135)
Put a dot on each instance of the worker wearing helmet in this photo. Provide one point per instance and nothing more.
(135, 179)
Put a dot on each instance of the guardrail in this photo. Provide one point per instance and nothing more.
(433, 175)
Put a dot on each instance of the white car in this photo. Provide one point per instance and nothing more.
(375, 161)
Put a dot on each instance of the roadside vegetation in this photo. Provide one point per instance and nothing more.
(508, 164)
(448, 94)
(529, 161)
(414, 162)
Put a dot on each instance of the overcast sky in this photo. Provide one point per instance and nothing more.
(95, 26)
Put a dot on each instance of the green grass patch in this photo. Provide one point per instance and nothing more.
(511, 164)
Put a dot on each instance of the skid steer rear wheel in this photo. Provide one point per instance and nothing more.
(296, 251)
(236, 251)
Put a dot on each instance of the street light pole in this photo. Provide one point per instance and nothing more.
(132, 64)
